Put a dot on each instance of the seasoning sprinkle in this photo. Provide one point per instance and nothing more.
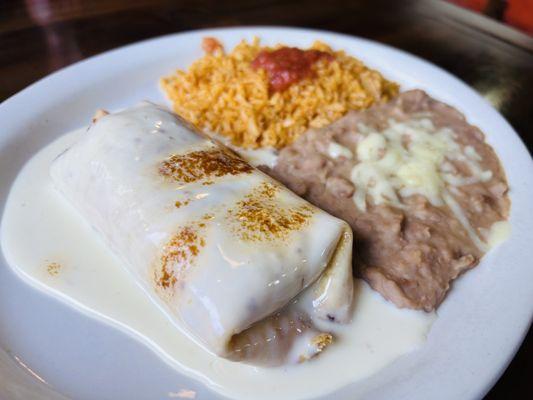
(259, 218)
(179, 254)
(53, 268)
(203, 164)
(179, 204)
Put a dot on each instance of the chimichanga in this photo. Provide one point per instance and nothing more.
(235, 260)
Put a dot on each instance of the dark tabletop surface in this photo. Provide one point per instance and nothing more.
(41, 36)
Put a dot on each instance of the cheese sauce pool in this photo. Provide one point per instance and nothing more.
(46, 241)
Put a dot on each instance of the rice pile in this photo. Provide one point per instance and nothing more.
(221, 93)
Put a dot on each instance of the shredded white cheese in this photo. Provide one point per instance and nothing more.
(336, 150)
(413, 157)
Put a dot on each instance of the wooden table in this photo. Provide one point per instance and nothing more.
(40, 36)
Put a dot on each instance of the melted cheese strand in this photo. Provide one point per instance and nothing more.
(413, 158)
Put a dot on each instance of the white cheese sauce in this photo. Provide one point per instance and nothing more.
(46, 241)
(256, 157)
(499, 232)
(267, 156)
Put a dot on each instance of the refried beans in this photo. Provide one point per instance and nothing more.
(419, 186)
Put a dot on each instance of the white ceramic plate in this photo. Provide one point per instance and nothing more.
(480, 325)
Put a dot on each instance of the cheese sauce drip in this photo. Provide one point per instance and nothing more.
(413, 158)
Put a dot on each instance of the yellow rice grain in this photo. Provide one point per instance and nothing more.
(221, 93)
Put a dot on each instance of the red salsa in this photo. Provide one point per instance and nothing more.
(288, 65)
